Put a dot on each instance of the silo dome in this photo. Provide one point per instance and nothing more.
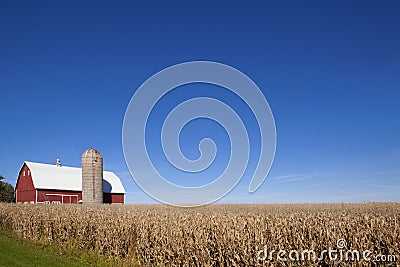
(92, 177)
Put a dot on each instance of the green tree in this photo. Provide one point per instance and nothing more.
(6, 191)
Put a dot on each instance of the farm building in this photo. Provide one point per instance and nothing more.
(57, 184)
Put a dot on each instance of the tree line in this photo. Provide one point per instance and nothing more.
(7, 192)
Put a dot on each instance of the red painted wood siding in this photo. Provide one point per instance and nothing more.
(113, 198)
(25, 189)
(66, 197)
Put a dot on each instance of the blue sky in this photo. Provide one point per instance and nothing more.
(329, 70)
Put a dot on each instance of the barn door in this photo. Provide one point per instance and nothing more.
(66, 199)
(74, 199)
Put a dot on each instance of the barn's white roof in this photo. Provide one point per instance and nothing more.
(48, 176)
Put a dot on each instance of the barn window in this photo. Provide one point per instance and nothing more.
(24, 173)
(29, 172)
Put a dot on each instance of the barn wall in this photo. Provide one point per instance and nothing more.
(117, 198)
(66, 197)
(25, 190)
(113, 198)
(69, 197)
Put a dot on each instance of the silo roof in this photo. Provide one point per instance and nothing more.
(49, 176)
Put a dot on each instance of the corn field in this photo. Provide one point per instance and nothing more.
(216, 235)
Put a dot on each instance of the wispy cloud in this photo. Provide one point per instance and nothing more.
(381, 173)
(288, 176)
(396, 187)
(374, 178)
(291, 177)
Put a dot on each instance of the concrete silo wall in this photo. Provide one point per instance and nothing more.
(92, 177)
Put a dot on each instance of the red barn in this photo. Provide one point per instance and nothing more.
(46, 183)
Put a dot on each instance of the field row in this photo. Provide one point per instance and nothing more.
(216, 235)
